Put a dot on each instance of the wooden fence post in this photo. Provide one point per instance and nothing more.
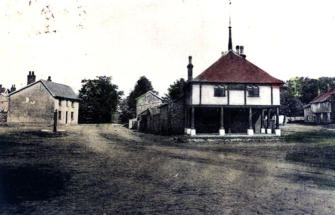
(55, 121)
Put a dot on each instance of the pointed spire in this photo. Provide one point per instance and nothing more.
(230, 43)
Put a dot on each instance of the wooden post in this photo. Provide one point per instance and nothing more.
(229, 120)
(221, 118)
(277, 118)
(55, 121)
(192, 118)
(185, 118)
(250, 118)
(268, 120)
(262, 119)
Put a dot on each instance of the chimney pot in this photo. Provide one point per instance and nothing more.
(241, 50)
(31, 78)
(49, 78)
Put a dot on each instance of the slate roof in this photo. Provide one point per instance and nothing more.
(59, 90)
(232, 68)
(55, 89)
(324, 96)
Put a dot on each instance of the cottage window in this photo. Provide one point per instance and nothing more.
(253, 91)
(67, 103)
(219, 91)
(59, 102)
(59, 115)
(72, 104)
(72, 116)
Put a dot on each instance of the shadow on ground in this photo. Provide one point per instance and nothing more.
(30, 183)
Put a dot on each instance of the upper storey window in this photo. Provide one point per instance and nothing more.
(219, 91)
(253, 91)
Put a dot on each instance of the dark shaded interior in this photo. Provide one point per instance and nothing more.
(236, 120)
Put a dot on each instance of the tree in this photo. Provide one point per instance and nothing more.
(99, 100)
(176, 90)
(325, 83)
(142, 86)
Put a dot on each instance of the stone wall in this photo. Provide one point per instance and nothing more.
(166, 119)
(3, 108)
(146, 101)
(31, 105)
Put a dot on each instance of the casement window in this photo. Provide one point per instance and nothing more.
(67, 103)
(253, 91)
(59, 115)
(59, 102)
(72, 104)
(72, 116)
(219, 91)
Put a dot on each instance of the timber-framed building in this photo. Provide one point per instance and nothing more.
(232, 96)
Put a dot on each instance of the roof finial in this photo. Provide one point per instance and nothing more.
(230, 43)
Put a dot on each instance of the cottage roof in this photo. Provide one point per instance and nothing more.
(233, 68)
(55, 89)
(324, 96)
(149, 92)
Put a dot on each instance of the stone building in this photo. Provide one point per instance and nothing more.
(321, 109)
(231, 96)
(3, 106)
(37, 102)
(146, 101)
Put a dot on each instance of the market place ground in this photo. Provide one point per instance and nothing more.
(107, 169)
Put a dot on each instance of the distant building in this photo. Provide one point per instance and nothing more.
(37, 102)
(321, 109)
(3, 105)
(146, 101)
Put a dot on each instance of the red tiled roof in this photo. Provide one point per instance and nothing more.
(232, 68)
(324, 96)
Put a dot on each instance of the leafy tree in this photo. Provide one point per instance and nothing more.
(99, 100)
(309, 90)
(325, 83)
(142, 86)
(126, 114)
(176, 90)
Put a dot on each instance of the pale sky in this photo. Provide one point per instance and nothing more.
(126, 39)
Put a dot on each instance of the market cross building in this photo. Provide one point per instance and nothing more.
(232, 96)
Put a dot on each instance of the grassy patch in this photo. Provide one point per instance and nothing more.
(308, 137)
(322, 156)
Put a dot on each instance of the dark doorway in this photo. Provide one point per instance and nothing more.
(207, 120)
(236, 120)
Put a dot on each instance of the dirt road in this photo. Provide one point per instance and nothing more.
(107, 169)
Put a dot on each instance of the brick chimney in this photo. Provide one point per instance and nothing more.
(190, 69)
(13, 88)
(31, 78)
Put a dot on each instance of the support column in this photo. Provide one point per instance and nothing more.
(268, 130)
(222, 131)
(229, 121)
(262, 123)
(193, 132)
(277, 131)
(250, 130)
(187, 128)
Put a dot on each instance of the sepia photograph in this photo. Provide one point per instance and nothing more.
(167, 107)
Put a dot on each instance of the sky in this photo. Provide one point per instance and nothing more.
(71, 40)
